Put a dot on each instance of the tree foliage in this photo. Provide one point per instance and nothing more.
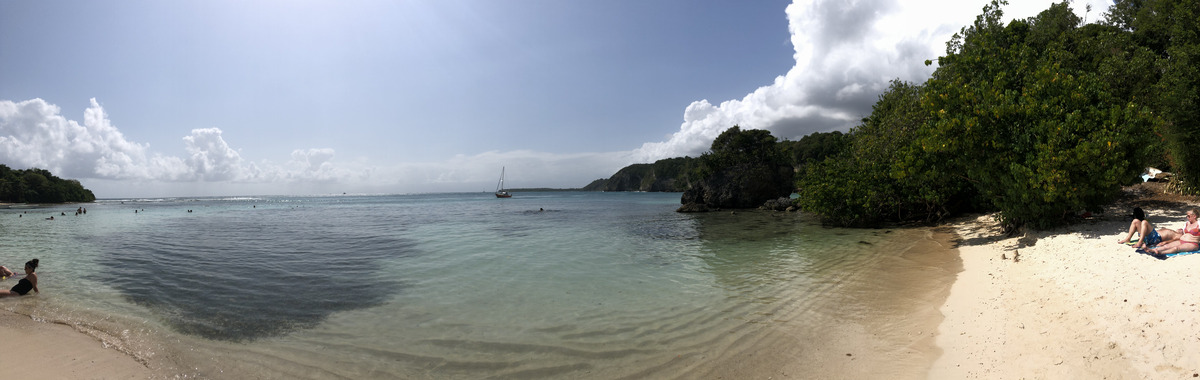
(40, 186)
(1029, 121)
(1038, 119)
(742, 169)
(865, 185)
(736, 147)
(813, 148)
(1169, 32)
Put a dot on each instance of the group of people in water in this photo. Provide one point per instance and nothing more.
(1164, 240)
(26, 284)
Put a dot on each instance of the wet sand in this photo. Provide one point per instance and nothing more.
(39, 350)
(886, 326)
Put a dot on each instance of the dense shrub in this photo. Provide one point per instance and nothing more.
(1031, 123)
(878, 176)
(1167, 34)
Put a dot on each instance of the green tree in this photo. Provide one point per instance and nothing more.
(40, 186)
(1034, 128)
(879, 177)
(742, 169)
(1170, 29)
(814, 147)
(736, 147)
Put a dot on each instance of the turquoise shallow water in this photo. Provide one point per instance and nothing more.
(542, 285)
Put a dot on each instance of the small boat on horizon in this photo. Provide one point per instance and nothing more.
(500, 192)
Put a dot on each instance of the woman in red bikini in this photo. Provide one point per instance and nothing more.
(1189, 240)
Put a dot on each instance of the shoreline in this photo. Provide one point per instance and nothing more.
(887, 326)
(56, 351)
(1073, 304)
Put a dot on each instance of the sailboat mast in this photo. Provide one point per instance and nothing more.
(500, 186)
(500, 193)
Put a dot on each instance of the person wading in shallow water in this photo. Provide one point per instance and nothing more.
(26, 284)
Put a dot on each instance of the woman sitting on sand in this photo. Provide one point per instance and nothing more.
(1189, 240)
(1149, 235)
(26, 284)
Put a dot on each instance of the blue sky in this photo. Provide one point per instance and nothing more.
(182, 98)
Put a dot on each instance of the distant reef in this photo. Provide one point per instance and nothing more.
(40, 186)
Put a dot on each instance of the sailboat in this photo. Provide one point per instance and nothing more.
(500, 192)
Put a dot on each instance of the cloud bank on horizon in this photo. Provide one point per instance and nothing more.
(845, 55)
(34, 133)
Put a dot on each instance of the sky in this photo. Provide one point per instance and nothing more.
(265, 97)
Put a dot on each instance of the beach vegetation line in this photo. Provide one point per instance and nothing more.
(1040, 120)
(39, 186)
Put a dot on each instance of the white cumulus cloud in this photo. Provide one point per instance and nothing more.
(34, 133)
(210, 158)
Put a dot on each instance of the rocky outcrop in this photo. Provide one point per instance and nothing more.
(778, 204)
(738, 187)
(694, 207)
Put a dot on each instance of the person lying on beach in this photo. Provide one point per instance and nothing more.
(1189, 240)
(1149, 235)
(5, 272)
(26, 284)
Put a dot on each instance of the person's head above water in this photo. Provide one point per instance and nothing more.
(31, 265)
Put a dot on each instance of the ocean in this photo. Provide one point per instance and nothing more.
(544, 285)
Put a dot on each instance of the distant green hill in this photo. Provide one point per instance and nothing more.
(675, 174)
(539, 190)
(40, 186)
(667, 175)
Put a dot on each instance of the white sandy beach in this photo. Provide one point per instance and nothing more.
(1075, 305)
